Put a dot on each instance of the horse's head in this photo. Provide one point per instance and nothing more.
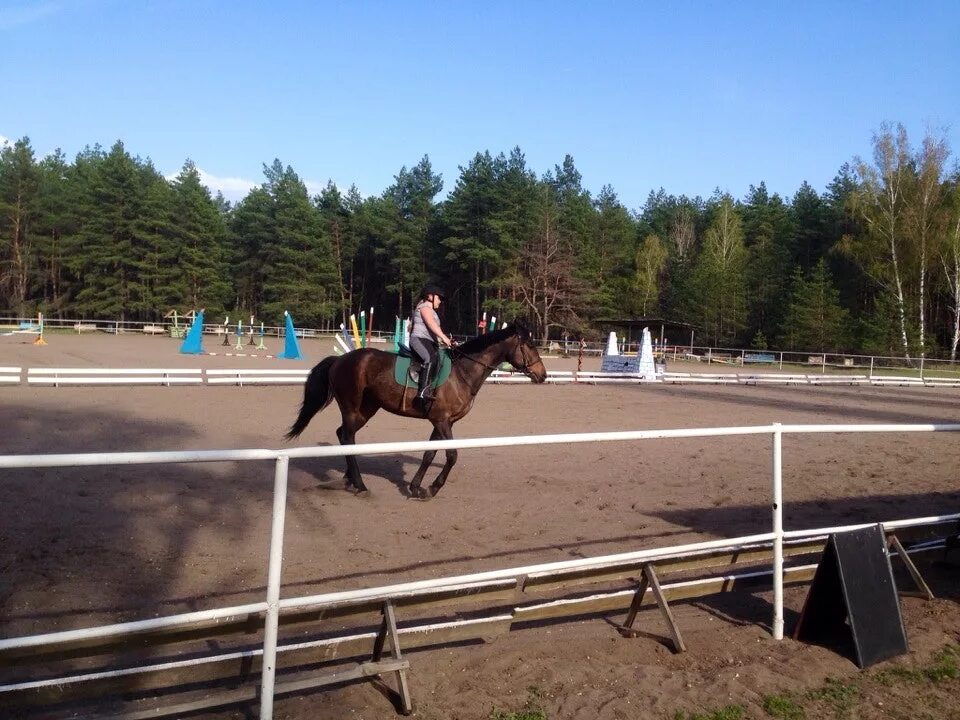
(523, 356)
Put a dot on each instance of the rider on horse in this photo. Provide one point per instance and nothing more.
(425, 334)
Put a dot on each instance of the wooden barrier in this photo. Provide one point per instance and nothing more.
(108, 376)
(10, 375)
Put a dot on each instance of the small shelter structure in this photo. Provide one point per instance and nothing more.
(659, 327)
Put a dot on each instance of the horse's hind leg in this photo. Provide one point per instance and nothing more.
(446, 433)
(347, 433)
(415, 489)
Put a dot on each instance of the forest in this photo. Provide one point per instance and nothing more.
(871, 264)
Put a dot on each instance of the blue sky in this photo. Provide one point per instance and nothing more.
(688, 96)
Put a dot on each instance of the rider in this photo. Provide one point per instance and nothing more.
(426, 334)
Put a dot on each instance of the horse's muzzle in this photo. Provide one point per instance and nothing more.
(537, 378)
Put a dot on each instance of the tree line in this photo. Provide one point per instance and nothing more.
(871, 264)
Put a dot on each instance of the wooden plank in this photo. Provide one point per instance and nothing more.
(235, 668)
(403, 687)
(924, 589)
(650, 572)
(560, 579)
(208, 700)
(619, 601)
(292, 621)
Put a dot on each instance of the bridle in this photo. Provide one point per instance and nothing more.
(524, 368)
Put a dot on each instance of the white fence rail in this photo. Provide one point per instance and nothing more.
(108, 376)
(285, 376)
(9, 375)
(272, 605)
(242, 377)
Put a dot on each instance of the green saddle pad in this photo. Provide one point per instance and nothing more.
(401, 370)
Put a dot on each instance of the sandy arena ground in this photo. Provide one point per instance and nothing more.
(81, 547)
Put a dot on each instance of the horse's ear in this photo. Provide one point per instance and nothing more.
(523, 330)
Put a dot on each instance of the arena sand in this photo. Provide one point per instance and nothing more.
(87, 546)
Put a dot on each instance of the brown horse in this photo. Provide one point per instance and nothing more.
(362, 382)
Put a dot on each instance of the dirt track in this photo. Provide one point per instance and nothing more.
(84, 546)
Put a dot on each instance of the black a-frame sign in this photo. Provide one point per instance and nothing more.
(852, 604)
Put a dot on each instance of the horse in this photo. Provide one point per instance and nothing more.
(362, 382)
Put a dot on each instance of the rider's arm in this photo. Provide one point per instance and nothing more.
(433, 326)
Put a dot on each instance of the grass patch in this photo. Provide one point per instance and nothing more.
(783, 707)
(531, 709)
(945, 665)
(838, 695)
(730, 712)
(519, 715)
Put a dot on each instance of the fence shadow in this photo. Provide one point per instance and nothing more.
(110, 540)
(805, 400)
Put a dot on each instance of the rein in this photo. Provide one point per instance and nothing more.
(525, 368)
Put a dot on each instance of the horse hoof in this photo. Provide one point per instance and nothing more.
(417, 493)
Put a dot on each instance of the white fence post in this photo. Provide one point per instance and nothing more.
(272, 621)
(777, 532)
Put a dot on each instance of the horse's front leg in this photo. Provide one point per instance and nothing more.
(446, 433)
(415, 489)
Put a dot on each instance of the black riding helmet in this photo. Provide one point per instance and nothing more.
(432, 290)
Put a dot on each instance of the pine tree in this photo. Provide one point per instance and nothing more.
(19, 207)
(337, 223)
(299, 272)
(472, 240)
(104, 254)
(54, 225)
(815, 319)
(200, 234)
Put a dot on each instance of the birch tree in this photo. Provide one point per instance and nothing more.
(950, 261)
(926, 218)
(719, 283)
(651, 260)
(881, 202)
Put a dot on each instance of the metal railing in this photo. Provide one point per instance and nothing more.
(272, 603)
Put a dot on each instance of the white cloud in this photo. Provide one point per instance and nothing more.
(233, 188)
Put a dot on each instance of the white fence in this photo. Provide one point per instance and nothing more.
(296, 376)
(272, 605)
(108, 376)
(10, 375)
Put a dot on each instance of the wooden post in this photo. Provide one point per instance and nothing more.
(648, 576)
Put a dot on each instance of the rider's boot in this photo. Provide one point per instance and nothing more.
(424, 394)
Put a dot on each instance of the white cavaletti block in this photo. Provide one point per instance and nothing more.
(612, 344)
(646, 366)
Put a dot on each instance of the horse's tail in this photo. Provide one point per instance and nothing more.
(317, 395)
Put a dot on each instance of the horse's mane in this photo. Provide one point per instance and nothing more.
(482, 342)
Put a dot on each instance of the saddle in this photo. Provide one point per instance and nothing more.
(406, 369)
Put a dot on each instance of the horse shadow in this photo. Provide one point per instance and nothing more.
(329, 473)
